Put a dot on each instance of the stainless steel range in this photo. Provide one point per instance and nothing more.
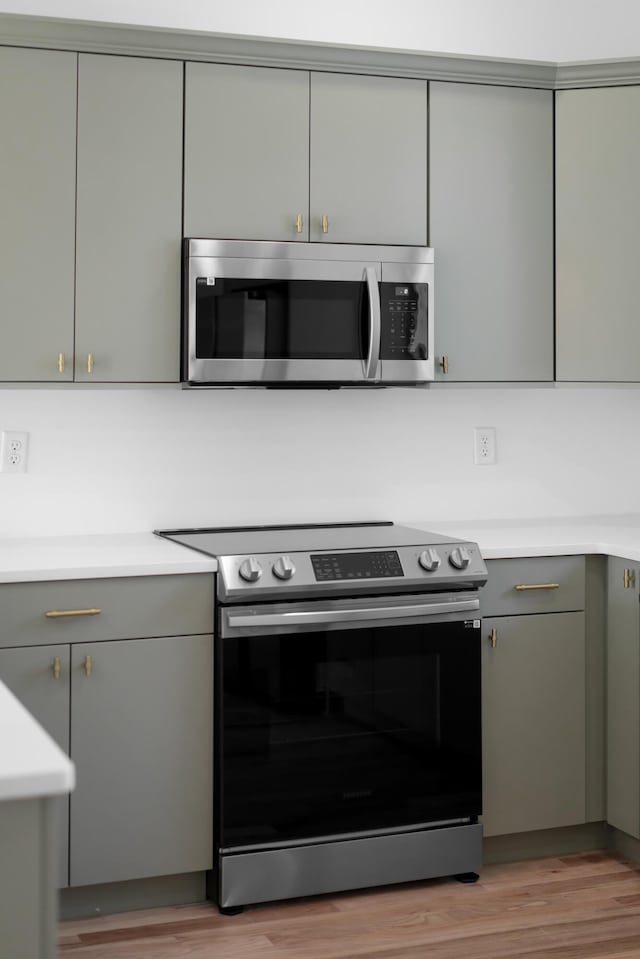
(347, 712)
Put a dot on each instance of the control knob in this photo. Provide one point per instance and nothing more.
(250, 570)
(283, 568)
(460, 557)
(429, 560)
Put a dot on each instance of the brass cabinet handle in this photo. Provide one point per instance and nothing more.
(325, 223)
(299, 223)
(444, 364)
(89, 362)
(88, 665)
(55, 668)
(59, 613)
(524, 586)
(629, 578)
(60, 362)
(493, 638)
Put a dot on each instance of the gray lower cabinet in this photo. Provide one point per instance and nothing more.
(623, 696)
(597, 212)
(39, 677)
(491, 225)
(37, 226)
(290, 155)
(129, 219)
(540, 741)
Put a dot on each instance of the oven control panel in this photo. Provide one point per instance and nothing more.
(281, 575)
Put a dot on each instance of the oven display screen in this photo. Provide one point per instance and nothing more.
(328, 566)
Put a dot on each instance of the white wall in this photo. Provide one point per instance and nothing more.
(124, 460)
(546, 30)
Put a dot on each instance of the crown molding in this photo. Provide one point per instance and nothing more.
(122, 40)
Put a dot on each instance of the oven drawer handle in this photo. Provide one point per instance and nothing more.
(313, 617)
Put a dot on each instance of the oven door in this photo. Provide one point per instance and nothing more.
(257, 321)
(352, 718)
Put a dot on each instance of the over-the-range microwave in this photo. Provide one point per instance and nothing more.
(306, 314)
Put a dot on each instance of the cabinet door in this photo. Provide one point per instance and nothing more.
(129, 219)
(597, 216)
(368, 159)
(491, 225)
(623, 697)
(37, 226)
(142, 742)
(246, 161)
(39, 677)
(533, 723)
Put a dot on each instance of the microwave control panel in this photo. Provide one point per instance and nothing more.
(404, 321)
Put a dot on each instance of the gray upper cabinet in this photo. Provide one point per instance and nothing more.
(598, 212)
(368, 159)
(37, 226)
(491, 225)
(129, 219)
(270, 153)
(246, 172)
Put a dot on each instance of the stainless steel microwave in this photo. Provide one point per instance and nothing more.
(312, 314)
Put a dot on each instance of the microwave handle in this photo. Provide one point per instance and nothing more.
(373, 357)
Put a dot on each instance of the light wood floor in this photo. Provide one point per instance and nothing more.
(574, 907)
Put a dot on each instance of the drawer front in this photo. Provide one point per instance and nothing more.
(128, 608)
(547, 584)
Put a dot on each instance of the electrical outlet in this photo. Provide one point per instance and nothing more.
(484, 445)
(13, 452)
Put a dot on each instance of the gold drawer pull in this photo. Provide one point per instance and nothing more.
(325, 223)
(59, 613)
(299, 223)
(60, 362)
(55, 668)
(629, 578)
(88, 665)
(89, 362)
(444, 364)
(493, 638)
(523, 586)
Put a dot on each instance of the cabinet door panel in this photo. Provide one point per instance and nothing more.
(368, 159)
(491, 225)
(129, 219)
(142, 742)
(533, 723)
(623, 698)
(37, 226)
(29, 674)
(246, 152)
(597, 215)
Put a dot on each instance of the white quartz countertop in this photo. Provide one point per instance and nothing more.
(95, 557)
(143, 554)
(31, 763)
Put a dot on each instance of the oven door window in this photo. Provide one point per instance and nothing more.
(280, 319)
(347, 731)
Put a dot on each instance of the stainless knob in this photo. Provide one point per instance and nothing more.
(250, 570)
(460, 557)
(283, 568)
(429, 560)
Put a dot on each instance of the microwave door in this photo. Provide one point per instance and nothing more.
(406, 323)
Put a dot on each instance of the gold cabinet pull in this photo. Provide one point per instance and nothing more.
(299, 223)
(59, 613)
(325, 223)
(55, 668)
(60, 362)
(88, 665)
(521, 587)
(444, 364)
(493, 638)
(629, 578)
(89, 362)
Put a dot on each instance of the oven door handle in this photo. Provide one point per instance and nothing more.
(322, 617)
(373, 356)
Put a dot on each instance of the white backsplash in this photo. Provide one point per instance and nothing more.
(119, 460)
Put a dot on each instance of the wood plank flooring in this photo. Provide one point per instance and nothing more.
(584, 906)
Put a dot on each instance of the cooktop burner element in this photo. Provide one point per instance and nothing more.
(282, 561)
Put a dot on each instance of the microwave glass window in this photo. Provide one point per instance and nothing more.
(405, 321)
(280, 319)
